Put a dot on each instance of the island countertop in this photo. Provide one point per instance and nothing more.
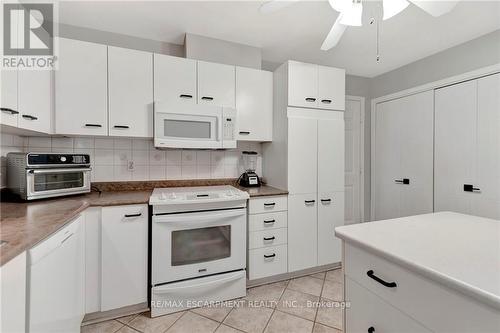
(457, 250)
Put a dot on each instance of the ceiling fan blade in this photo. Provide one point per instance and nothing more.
(435, 8)
(334, 35)
(275, 5)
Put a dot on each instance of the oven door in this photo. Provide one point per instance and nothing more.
(46, 183)
(190, 245)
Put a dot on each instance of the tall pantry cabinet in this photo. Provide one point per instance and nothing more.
(307, 158)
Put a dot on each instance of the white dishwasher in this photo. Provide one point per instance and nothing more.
(56, 281)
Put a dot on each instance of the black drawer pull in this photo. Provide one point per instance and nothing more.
(326, 101)
(269, 255)
(404, 181)
(309, 201)
(121, 126)
(93, 125)
(371, 329)
(29, 117)
(310, 99)
(271, 204)
(269, 238)
(185, 96)
(326, 200)
(471, 188)
(269, 221)
(244, 132)
(133, 215)
(207, 98)
(379, 280)
(8, 110)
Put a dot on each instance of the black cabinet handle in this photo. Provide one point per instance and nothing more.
(326, 101)
(326, 200)
(244, 132)
(93, 125)
(371, 329)
(269, 221)
(269, 238)
(133, 215)
(471, 188)
(269, 255)
(185, 96)
(8, 110)
(307, 202)
(29, 117)
(121, 126)
(372, 275)
(310, 99)
(207, 98)
(271, 204)
(404, 181)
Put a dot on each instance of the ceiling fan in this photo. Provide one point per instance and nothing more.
(350, 13)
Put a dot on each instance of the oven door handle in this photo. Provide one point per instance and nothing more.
(60, 170)
(194, 218)
(190, 288)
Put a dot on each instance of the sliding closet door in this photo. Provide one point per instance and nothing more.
(454, 144)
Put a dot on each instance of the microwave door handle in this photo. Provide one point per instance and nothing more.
(197, 219)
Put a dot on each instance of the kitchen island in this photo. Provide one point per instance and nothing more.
(427, 273)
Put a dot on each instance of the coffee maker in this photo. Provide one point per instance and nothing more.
(249, 178)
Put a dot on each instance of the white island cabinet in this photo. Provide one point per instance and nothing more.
(425, 273)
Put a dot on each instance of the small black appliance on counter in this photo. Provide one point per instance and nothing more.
(249, 178)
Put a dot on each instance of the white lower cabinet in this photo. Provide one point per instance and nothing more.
(330, 216)
(124, 256)
(56, 281)
(13, 295)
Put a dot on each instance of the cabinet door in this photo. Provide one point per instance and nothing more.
(331, 147)
(174, 79)
(331, 88)
(254, 104)
(10, 113)
(130, 92)
(13, 295)
(454, 145)
(124, 244)
(330, 216)
(486, 203)
(302, 155)
(216, 84)
(302, 231)
(302, 84)
(35, 100)
(81, 88)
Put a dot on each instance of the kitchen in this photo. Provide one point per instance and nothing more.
(232, 167)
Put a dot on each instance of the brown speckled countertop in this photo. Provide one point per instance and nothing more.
(24, 224)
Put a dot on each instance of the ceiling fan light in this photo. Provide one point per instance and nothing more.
(352, 15)
(393, 7)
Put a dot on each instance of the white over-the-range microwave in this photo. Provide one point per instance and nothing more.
(194, 126)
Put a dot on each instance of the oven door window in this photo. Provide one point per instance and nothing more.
(58, 181)
(194, 246)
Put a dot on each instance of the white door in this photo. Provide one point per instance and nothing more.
(254, 104)
(81, 88)
(302, 231)
(130, 92)
(216, 84)
(455, 146)
(13, 295)
(124, 261)
(35, 100)
(174, 79)
(10, 113)
(486, 203)
(331, 147)
(352, 119)
(302, 84)
(330, 216)
(302, 155)
(331, 88)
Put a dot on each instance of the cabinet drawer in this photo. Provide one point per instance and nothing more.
(267, 261)
(368, 311)
(420, 297)
(267, 204)
(267, 221)
(266, 238)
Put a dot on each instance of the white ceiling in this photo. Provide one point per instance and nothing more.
(295, 32)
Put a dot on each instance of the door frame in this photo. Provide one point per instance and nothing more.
(471, 75)
(361, 154)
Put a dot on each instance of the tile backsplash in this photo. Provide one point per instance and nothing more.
(122, 159)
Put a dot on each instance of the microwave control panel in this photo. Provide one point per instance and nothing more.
(228, 128)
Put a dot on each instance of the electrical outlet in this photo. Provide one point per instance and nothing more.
(130, 165)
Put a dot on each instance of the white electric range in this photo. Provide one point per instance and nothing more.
(198, 246)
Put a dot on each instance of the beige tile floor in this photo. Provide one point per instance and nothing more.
(282, 307)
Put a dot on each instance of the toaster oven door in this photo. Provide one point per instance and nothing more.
(45, 183)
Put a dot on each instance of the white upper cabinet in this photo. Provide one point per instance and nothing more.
(35, 100)
(314, 86)
(81, 88)
(130, 92)
(9, 114)
(254, 104)
(174, 79)
(331, 137)
(216, 84)
(331, 88)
